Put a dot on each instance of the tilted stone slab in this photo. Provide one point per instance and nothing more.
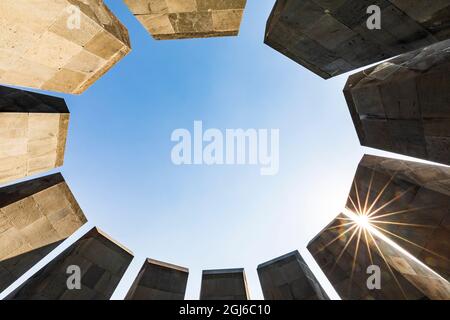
(432, 285)
(33, 133)
(403, 105)
(289, 278)
(227, 284)
(159, 281)
(181, 19)
(101, 261)
(346, 265)
(331, 37)
(35, 217)
(58, 45)
(407, 202)
(413, 206)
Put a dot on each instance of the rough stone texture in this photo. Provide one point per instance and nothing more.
(228, 284)
(337, 259)
(403, 105)
(102, 262)
(33, 131)
(409, 203)
(35, 216)
(330, 37)
(38, 49)
(430, 284)
(289, 278)
(419, 194)
(181, 19)
(159, 281)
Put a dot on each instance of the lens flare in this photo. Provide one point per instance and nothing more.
(365, 221)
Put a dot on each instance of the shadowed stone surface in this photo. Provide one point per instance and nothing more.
(403, 105)
(429, 283)
(33, 132)
(102, 262)
(330, 37)
(409, 203)
(159, 281)
(42, 47)
(181, 19)
(35, 216)
(416, 200)
(227, 284)
(289, 278)
(335, 255)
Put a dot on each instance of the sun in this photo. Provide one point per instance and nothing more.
(363, 221)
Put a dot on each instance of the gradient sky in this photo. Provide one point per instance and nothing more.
(119, 168)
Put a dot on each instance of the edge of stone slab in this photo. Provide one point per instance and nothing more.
(19, 190)
(308, 246)
(118, 56)
(351, 83)
(96, 230)
(165, 265)
(295, 253)
(195, 35)
(224, 271)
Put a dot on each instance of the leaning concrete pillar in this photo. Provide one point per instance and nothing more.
(431, 284)
(35, 216)
(159, 281)
(289, 278)
(98, 260)
(408, 203)
(227, 284)
(332, 37)
(183, 19)
(33, 132)
(58, 45)
(403, 105)
(346, 261)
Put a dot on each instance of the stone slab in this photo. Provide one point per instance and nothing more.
(289, 278)
(226, 284)
(184, 19)
(331, 37)
(102, 263)
(403, 105)
(58, 45)
(159, 281)
(408, 205)
(35, 216)
(33, 133)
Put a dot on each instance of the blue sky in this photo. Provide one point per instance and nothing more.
(119, 168)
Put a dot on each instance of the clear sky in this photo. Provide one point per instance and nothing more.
(119, 168)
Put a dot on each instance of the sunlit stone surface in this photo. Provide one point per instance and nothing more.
(181, 19)
(102, 263)
(347, 271)
(33, 131)
(414, 206)
(35, 216)
(407, 202)
(42, 46)
(331, 37)
(228, 284)
(289, 278)
(159, 281)
(430, 284)
(403, 105)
